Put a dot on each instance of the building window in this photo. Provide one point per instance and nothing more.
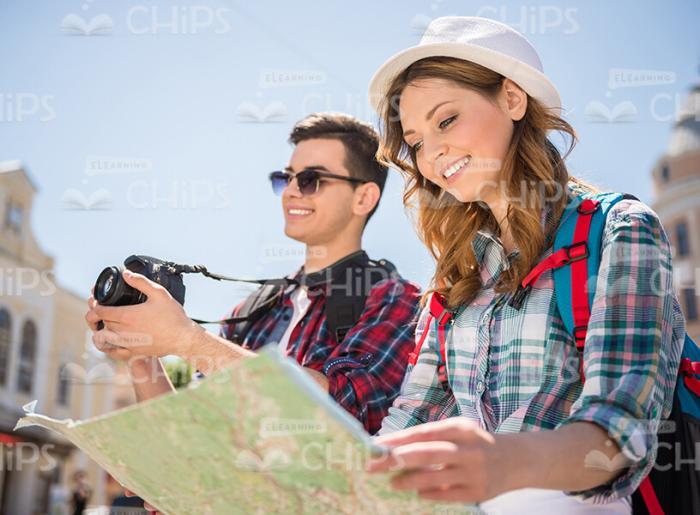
(13, 217)
(27, 357)
(691, 306)
(5, 340)
(665, 173)
(682, 239)
(63, 385)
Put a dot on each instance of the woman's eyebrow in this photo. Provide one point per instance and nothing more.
(428, 116)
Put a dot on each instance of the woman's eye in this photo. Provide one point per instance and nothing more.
(448, 121)
(417, 146)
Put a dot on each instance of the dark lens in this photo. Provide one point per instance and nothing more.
(279, 181)
(308, 182)
(107, 286)
(111, 290)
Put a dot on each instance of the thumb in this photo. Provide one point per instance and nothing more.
(142, 283)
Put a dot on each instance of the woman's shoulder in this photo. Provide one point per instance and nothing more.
(633, 221)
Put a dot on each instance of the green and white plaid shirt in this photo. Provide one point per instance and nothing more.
(518, 370)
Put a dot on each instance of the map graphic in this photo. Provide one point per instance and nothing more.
(258, 437)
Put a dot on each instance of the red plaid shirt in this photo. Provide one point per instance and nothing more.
(365, 370)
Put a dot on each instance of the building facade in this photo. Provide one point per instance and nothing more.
(46, 354)
(676, 177)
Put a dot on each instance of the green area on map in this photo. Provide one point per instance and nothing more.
(258, 437)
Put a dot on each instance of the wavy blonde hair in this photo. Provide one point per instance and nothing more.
(446, 226)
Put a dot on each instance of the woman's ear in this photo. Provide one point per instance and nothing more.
(514, 100)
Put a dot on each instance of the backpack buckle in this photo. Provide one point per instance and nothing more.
(588, 206)
(578, 255)
(438, 310)
(580, 332)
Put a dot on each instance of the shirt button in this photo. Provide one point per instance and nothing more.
(480, 387)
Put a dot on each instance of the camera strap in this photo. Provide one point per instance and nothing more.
(267, 295)
(346, 283)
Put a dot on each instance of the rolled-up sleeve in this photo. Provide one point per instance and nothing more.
(365, 371)
(632, 348)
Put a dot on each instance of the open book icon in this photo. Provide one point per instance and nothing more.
(274, 112)
(598, 460)
(76, 199)
(76, 24)
(274, 459)
(600, 113)
(100, 373)
(420, 23)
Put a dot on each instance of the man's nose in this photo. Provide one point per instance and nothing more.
(292, 189)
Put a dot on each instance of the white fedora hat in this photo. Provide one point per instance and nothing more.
(489, 43)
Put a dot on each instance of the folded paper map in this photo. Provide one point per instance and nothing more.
(258, 437)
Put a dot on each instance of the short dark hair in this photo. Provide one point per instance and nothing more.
(359, 138)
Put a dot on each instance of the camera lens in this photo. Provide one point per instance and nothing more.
(107, 286)
(111, 290)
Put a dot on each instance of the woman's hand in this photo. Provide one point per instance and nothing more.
(448, 460)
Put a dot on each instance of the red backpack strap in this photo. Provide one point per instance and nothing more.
(442, 316)
(689, 370)
(650, 499)
(576, 256)
(413, 356)
(579, 276)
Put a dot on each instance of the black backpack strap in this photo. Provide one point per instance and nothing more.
(346, 301)
(253, 308)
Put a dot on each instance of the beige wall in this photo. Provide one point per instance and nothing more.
(678, 200)
(29, 292)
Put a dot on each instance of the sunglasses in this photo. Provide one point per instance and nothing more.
(308, 180)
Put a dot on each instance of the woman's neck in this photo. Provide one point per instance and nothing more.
(499, 208)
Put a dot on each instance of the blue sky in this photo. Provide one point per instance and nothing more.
(165, 91)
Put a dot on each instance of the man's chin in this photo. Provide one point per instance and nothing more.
(296, 235)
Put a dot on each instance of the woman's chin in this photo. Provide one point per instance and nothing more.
(461, 195)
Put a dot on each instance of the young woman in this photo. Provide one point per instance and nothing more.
(495, 409)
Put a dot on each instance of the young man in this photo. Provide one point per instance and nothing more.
(346, 319)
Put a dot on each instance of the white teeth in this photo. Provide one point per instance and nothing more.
(455, 167)
(299, 211)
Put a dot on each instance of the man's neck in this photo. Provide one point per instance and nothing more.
(319, 257)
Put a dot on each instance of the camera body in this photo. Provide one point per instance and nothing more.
(112, 290)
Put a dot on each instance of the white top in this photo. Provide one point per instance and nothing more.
(536, 501)
(300, 302)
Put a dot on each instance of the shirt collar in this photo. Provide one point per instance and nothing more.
(333, 273)
(490, 254)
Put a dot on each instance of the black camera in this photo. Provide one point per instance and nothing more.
(112, 290)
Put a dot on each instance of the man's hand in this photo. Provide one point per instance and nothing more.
(317, 376)
(146, 506)
(113, 351)
(157, 327)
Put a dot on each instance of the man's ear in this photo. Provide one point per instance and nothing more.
(515, 100)
(366, 198)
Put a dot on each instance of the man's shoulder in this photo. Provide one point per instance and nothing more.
(395, 287)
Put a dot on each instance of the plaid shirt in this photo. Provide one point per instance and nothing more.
(364, 371)
(512, 371)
